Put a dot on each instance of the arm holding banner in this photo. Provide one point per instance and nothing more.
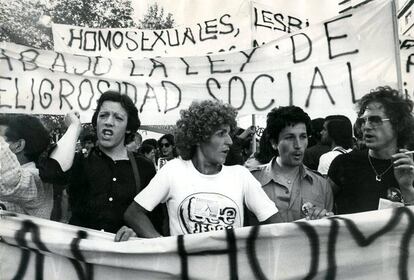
(258, 202)
(136, 217)
(274, 219)
(64, 153)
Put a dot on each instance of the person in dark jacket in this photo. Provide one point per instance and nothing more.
(103, 184)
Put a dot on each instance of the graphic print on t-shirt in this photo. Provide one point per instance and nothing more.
(202, 212)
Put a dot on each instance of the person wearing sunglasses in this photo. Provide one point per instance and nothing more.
(167, 150)
(360, 178)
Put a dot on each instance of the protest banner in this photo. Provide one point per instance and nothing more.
(225, 33)
(32, 248)
(324, 69)
(274, 19)
(407, 64)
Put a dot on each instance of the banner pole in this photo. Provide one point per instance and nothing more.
(397, 46)
(254, 135)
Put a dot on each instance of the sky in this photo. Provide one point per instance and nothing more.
(170, 6)
(188, 11)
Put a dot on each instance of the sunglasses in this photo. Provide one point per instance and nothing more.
(374, 121)
(165, 145)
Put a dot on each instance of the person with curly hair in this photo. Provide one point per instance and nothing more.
(201, 193)
(360, 178)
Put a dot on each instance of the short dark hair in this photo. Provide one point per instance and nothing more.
(145, 149)
(88, 137)
(29, 128)
(199, 122)
(265, 153)
(339, 129)
(133, 122)
(397, 108)
(281, 117)
(150, 141)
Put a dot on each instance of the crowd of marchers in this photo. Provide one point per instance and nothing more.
(204, 176)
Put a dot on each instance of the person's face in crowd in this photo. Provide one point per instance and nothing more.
(132, 146)
(214, 151)
(377, 130)
(3, 129)
(166, 148)
(150, 155)
(138, 140)
(325, 140)
(15, 147)
(111, 125)
(292, 144)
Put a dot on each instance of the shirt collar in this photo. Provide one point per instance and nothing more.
(268, 174)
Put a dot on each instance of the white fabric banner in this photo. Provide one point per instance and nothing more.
(228, 32)
(233, 25)
(276, 18)
(371, 245)
(324, 69)
(407, 65)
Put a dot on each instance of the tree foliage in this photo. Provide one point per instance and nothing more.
(21, 20)
(19, 23)
(93, 13)
(55, 124)
(154, 19)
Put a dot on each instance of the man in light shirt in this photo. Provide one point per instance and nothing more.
(336, 132)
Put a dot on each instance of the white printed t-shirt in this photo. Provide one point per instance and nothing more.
(199, 203)
(326, 159)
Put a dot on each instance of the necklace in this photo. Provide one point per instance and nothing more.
(378, 177)
(289, 177)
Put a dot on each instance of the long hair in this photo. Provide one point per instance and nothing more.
(397, 108)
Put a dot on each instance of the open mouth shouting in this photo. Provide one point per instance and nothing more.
(107, 134)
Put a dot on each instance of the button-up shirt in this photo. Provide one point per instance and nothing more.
(290, 194)
(21, 189)
(100, 188)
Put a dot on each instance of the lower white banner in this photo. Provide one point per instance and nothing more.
(370, 245)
